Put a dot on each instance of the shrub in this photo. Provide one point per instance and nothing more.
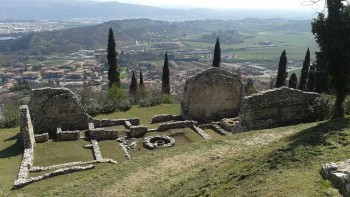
(10, 114)
(324, 106)
(167, 99)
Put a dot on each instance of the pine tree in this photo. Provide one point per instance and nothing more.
(113, 74)
(141, 79)
(133, 86)
(282, 70)
(165, 76)
(304, 71)
(217, 54)
(293, 81)
(332, 35)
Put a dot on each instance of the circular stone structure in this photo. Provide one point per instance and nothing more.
(157, 141)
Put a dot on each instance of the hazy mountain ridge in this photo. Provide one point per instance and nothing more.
(66, 10)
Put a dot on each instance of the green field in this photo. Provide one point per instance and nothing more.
(282, 161)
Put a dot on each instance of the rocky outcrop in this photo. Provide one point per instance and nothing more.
(54, 107)
(212, 95)
(277, 107)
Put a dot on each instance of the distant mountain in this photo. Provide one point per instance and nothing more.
(69, 9)
(127, 32)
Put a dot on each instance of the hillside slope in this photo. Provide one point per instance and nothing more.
(275, 162)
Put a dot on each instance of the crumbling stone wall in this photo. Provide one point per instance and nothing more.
(276, 107)
(67, 135)
(53, 107)
(114, 122)
(339, 175)
(165, 118)
(26, 131)
(41, 138)
(212, 95)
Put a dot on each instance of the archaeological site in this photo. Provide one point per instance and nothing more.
(213, 99)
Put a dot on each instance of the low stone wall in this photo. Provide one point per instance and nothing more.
(219, 130)
(165, 118)
(114, 122)
(201, 132)
(339, 175)
(41, 138)
(138, 131)
(96, 150)
(277, 107)
(67, 135)
(27, 138)
(103, 134)
(22, 183)
(176, 125)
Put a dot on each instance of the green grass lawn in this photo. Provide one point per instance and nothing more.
(282, 161)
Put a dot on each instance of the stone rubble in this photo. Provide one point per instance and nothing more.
(339, 175)
(41, 138)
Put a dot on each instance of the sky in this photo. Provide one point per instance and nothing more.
(224, 4)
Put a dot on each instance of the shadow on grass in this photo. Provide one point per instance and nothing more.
(11, 151)
(309, 143)
(15, 137)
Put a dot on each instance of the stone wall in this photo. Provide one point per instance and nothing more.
(53, 107)
(212, 95)
(165, 118)
(67, 135)
(103, 134)
(114, 122)
(26, 130)
(277, 107)
(176, 125)
(138, 131)
(41, 138)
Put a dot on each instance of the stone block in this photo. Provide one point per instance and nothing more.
(41, 138)
(138, 131)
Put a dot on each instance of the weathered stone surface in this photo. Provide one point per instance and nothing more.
(114, 122)
(277, 107)
(26, 131)
(176, 125)
(339, 175)
(212, 95)
(53, 107)
(152, 142)
(67, 135)
(165, 118)
(228, 124)
(103, 134)
(219, 130)
(41, 138)
(138, 131)
(201, 132)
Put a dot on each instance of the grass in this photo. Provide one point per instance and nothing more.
(282, 161)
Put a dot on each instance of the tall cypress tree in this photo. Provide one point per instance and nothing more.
(311, 79)
(217, 54)
(113, 74)
(304, 71)
(133, 86)
(141, 79)
(293, 81)
(282, 70)
(332, 35)
(165, 76)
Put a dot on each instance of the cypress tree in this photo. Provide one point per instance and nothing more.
(332, 35)
(321, 82)
(141, 79)
(293, 81)
(217, 54)
(282, 70)
(304, 71)
(113, 74)
(311, 79)
(165, 76)
(133, 86)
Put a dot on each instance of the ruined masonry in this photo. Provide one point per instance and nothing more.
(277, 107)
(212, 95)
(57, 107)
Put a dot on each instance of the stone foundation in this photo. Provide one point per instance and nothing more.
(176, 125)
(114, 122)
(165, 118)
(138, 131)
(41, 138)
(277, 107)
(67, 135)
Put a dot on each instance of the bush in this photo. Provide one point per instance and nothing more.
(324, 106)
(150, 102)
(167, 99)
(347, 105)
(10, 114)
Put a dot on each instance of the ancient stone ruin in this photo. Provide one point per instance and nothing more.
(57, 107)
(276, 107)
(212, 95)
(339, 175)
